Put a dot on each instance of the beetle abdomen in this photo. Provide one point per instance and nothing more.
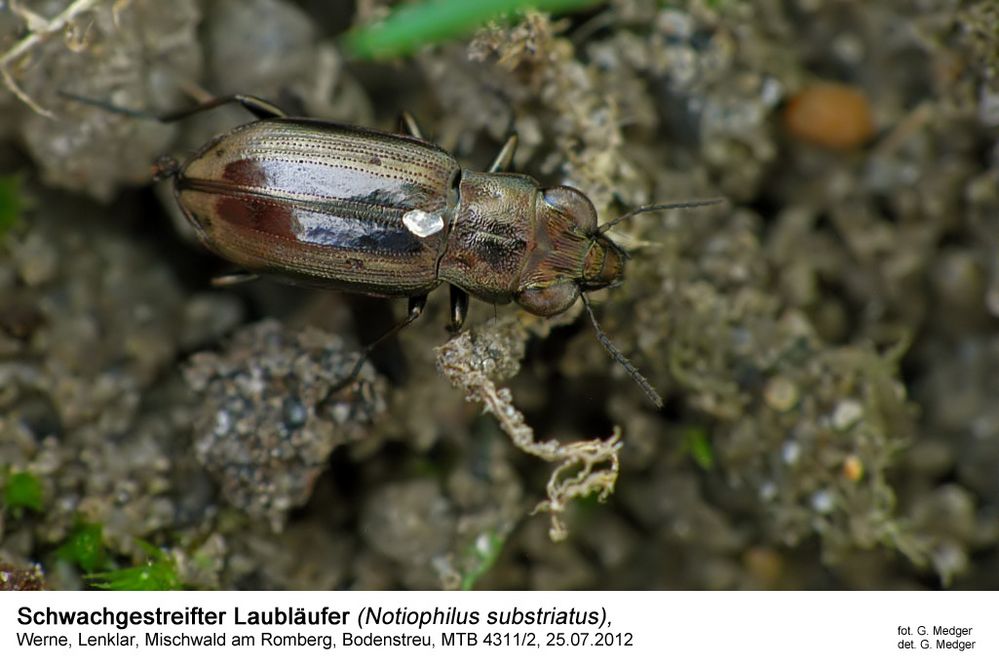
(321, 202)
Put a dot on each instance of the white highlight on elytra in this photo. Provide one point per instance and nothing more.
(422, 223)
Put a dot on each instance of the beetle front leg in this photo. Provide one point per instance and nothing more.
(459, 310)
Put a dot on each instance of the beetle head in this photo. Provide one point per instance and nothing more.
(572, 213)
(569, 221)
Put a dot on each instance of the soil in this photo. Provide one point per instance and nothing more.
(825, 340)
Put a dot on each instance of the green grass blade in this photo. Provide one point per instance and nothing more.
(412, 26)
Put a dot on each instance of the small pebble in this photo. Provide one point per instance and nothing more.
(847, 413)
(823, 501)
(765, 564)
(790, 452)
(853, 468)
(781, 394)
(831, 115)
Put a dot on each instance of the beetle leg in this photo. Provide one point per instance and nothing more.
(459, 309)
(258, 107)
(408, 125)
(505, 157)
(233, 278)
(416, 305)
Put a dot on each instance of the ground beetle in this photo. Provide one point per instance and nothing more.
(386, 214)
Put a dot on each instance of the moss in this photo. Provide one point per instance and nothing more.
(85, 547)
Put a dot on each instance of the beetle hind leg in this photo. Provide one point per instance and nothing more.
(415, 308)
(165, 167)
(260, 108)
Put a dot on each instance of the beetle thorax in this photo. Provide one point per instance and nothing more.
(491, 236)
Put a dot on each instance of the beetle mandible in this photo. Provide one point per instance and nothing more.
(392, 215)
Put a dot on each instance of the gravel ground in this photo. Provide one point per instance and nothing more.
(826, 340)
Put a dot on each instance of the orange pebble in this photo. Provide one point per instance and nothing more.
(831, 115)
(853, 468)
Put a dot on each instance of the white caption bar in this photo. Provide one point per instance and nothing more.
(105, 628)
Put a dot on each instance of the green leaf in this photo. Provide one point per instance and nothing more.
(484, 553)
(11, 201)
(412, 26)
(697, 444)
(157, 574)
(22, 491)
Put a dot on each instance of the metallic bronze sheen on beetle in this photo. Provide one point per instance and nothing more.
(324, 204)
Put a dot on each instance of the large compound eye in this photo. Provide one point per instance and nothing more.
(548, 301)
(574, 206)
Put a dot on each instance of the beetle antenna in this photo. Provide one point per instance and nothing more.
(654, 207)
(616, 354)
